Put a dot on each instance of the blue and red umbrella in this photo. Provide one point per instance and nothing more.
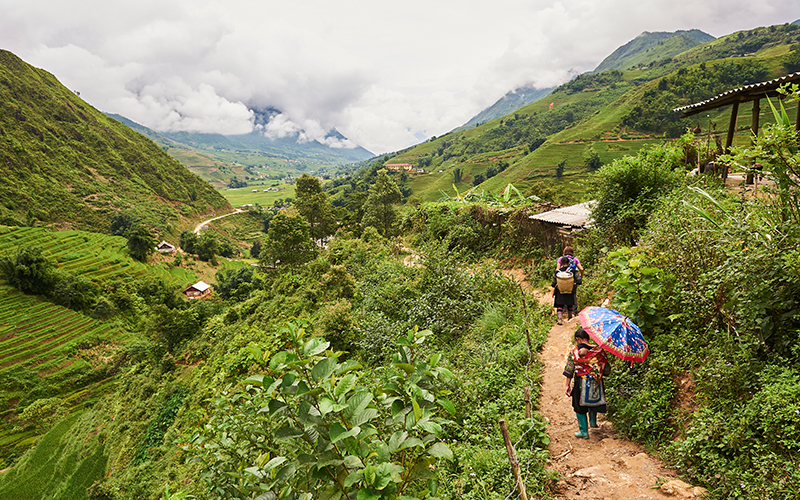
(614, 333)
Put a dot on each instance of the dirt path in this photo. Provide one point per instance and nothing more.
(199, 227)
(605, 466)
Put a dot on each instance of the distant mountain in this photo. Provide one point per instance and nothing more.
(284, 148)
(512, 101)
(655, 46)
(67, 164)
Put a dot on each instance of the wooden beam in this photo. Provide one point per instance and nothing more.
(754, 131)
(729, 138)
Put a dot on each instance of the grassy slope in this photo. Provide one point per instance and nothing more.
(598, 112)
(67, 163)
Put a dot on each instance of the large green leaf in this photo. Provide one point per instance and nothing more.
(337, 432)
(357, 403)
(396, 440)
(255, 379)
(274, 463)
(365, 416)
(354, 478)
(367, 494)
(440, 450)
(447, 405)
(324, 369)
(410, 443)
(276, 406)
(287, 433)
(326, 405)
(315, 346)
(345, 385)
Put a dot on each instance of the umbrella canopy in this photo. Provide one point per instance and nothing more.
(615, 333)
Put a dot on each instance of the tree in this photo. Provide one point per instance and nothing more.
(29, 271)
(560, 168)
(458, 174)
(172, 326)
(314, 205)
(373, 437)
(120, 224)
(141, 241)
(628, 190)
(478, 179)
(288, 241)
(255, 250)
(188, 241)
(591, 159)
(207, 247)
(380, 211)
(237, 283)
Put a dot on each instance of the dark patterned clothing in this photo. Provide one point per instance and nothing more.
(595, 362)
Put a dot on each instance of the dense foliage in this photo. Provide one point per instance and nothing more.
(715, 284)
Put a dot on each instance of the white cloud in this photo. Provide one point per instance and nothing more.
(383, 74)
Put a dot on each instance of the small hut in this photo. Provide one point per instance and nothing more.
(559, 225)
(165, 247)
(198, 291)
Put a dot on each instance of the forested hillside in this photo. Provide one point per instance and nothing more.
(67, 164)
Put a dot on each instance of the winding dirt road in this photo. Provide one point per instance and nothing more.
(199, 227)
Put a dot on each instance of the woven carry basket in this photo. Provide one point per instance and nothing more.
(565, 282)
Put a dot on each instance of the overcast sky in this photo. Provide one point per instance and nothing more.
(385, 74)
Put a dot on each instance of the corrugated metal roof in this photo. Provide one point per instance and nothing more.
(742, 94)
(575, 215)
(200, 286)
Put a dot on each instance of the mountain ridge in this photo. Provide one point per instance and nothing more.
(67, 164)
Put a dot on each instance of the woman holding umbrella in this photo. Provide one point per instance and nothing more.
(586, 365)
(614, 333)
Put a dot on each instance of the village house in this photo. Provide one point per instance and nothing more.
(198, 291)
(165, 247)
(400, 166)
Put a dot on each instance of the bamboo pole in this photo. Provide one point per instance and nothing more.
(729, 138)
(512, 457)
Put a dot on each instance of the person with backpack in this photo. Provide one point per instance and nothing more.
(564, 290)
(586, 367)
(574, 263)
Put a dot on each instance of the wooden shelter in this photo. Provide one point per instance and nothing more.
(165, 247)
(560, 224)
(198, 291)
(754, 92)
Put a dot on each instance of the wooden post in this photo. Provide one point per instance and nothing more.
(729, 138)
(528, 402)
(754, 132)
(512, 457)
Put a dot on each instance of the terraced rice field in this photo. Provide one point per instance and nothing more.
(92, 255)
(39, 335)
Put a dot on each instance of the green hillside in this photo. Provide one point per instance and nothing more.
(650, 47)
(612, 113)
(65, 163)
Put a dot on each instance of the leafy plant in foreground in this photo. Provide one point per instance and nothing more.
(321, 434)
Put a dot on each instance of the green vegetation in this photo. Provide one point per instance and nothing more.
(103, 168)
(713, 281)
(377, 365)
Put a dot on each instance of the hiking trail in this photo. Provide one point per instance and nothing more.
(605, 466)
